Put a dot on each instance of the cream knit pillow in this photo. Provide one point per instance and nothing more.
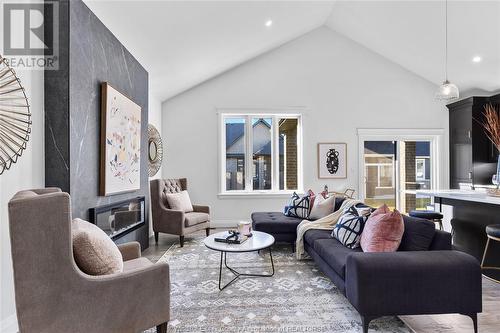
(322, 207)
(94, 252)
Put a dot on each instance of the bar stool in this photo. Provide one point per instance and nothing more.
(493, 233)
(430, 215)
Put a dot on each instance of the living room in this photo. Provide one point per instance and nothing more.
(350, 147)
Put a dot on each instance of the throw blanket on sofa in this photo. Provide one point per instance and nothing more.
(324, 223)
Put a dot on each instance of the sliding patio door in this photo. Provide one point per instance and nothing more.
(415, 165)
(394, 170)
(380, 173)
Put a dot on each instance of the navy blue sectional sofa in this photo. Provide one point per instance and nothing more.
(425, 276)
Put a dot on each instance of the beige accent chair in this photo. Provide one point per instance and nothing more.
(171, 221)
(54, 296)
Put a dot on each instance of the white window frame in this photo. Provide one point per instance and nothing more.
(248, 115)
(437, 149)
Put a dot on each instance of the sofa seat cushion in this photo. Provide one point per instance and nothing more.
(334, 254)
(275, 222)
(138, 263)
(191, 219)
(312, 235)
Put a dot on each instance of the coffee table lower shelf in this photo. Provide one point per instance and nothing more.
(223, 257)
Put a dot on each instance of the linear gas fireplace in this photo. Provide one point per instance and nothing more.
(119, 218)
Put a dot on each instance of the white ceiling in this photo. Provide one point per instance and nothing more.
(184, 43)
(412, 34)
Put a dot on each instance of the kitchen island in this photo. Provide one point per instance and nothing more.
(471, 211)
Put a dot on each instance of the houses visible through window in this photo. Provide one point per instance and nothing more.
(235, 153)
(261, 152)
(420, 169)
(262, 149)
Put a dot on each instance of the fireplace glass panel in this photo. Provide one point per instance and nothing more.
(119, 218)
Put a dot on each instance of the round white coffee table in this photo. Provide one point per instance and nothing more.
(258, 241)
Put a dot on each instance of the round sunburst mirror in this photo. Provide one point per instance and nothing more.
(155, 150)
(15, 117)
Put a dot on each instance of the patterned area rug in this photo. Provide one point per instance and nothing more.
(298, 298)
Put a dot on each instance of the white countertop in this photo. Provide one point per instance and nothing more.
(465, 195)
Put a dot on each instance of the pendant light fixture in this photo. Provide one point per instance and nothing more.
(447, 91)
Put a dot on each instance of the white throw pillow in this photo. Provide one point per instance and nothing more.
(180, 201)
(322, 207)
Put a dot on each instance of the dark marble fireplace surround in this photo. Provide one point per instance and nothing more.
(89, 54)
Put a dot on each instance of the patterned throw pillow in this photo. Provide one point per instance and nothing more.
(299, 207)
(350, 225)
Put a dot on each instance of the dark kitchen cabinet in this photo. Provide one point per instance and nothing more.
(472, 156)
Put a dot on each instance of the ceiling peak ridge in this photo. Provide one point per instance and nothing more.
(380, 55)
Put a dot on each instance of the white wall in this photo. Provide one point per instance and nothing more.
(29, 172)
(155, 119)
(342, 85)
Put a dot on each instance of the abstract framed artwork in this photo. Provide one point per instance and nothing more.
(120, 169)
(332, 160)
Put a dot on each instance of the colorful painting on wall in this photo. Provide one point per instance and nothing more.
(120, 142)
(332, 160)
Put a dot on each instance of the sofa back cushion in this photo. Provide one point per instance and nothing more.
(94, 252)
(418, 234)
(383, 231)
(179, 201)
(338, 203)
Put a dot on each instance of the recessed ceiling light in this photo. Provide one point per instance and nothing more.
(477, 59)
(269, 23)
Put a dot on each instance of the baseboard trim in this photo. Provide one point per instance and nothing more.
(9, 324)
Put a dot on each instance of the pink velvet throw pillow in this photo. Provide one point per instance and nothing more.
(383, 231)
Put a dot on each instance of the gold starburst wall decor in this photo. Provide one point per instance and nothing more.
(15, 117)
(155, 150)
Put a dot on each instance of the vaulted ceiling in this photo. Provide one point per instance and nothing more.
(412, 34)
(184, 43)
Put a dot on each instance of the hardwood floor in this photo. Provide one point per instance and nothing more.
(489, 319)
(156, 251)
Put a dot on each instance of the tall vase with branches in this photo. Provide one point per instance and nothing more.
(491, 124)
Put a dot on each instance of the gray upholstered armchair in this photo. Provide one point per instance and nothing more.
(171, 221)
(54, 295)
